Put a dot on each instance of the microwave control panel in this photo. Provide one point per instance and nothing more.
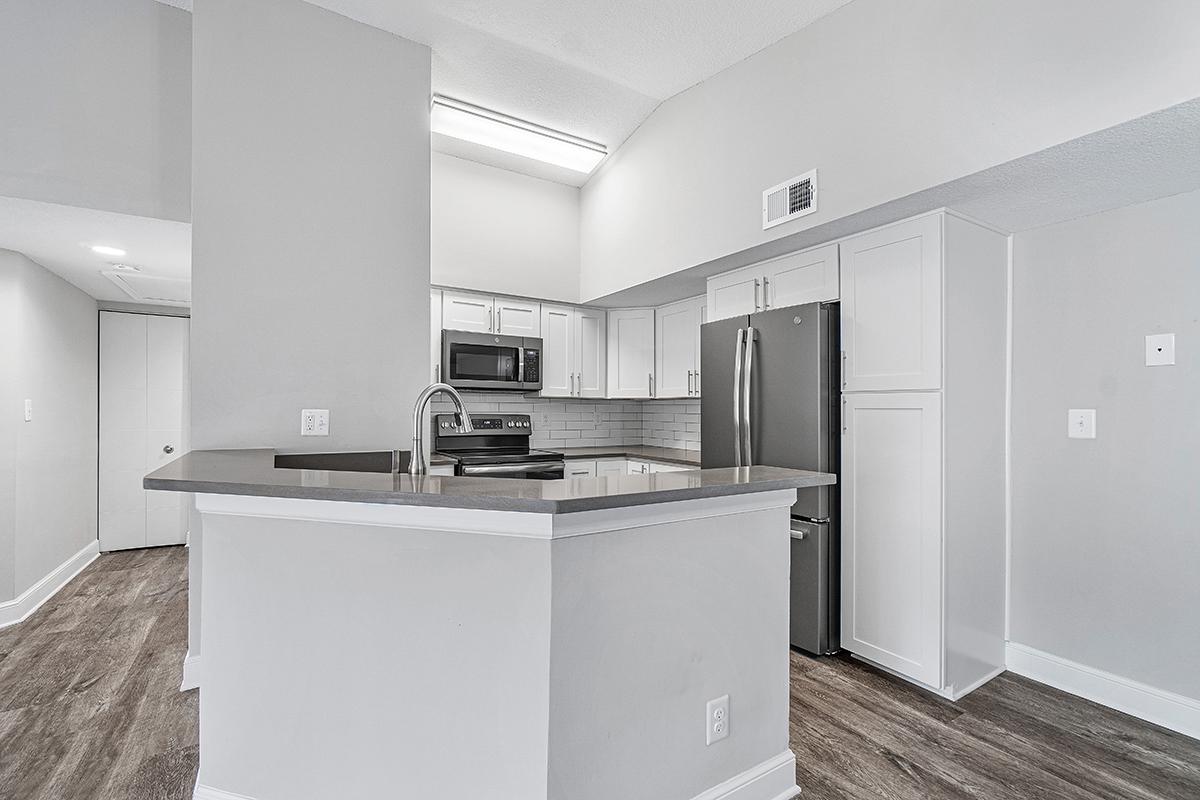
(533, 369)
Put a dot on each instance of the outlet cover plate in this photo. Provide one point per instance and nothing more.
(1160, 350)
(1081, 423)
(314, 422)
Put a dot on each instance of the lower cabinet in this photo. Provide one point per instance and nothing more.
(892, 532)
(580, 469)
(609, 467)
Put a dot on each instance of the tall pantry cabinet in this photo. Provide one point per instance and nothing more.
(924, 332)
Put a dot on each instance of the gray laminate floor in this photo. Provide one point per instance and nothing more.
(90, 709)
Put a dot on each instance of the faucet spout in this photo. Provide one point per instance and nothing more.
(417, 464)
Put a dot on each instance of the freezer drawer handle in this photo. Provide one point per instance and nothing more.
(800, 535)
(737, 397)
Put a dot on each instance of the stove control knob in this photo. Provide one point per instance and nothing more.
(526, 424)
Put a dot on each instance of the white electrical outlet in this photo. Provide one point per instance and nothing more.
(1081, 423)
(314, 422)
(716, 725)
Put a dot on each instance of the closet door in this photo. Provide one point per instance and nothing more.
(143, 374)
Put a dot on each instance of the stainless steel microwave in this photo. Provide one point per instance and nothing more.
(473, 360)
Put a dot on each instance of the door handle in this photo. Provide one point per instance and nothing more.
(751, 335)
(491, 324)
(757, 305)
(650, 384)
(168, 449)
(571, 378)
(737, 396)
(766, 292)
(579, 384)
(691, 388)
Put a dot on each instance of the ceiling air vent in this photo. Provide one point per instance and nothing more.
(790, 199)
(152, 288)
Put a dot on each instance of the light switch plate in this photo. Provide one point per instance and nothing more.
(29, 411)
(314, 422)
(1160, 350)
(1081, 423)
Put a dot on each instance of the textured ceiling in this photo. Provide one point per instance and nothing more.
(592, 69)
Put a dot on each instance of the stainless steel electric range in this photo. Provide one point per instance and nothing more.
(497, 448)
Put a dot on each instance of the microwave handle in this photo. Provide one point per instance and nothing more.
(521, 364)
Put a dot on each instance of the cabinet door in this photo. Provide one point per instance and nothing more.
(656, 466)
(677, 335)
(892, 532)
(637, 467)
(799, 278)
(467, 312)
(435, 334)
(591, 367)
(631, 353)
(580, 469)
(735, 294)
(615, 466)
(518, 317)
(558, 351)
(892, 307)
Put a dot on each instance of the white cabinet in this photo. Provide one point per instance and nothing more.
(435, 334)
(677, 348)
(634, 467)
(580, 469)
(892, 307)
(467, 312)
(809, 276)
(463, 311)
(658, 466)
(922, 483)
(631, 353)
(143, 375)
(518, 317)
(608, 467)
(573, 351)
(892, 531)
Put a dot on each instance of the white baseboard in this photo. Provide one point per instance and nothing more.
(1172, 711)
(191, 672)
(773, 779)
(956, 694)
(18, 609)
(202, 792)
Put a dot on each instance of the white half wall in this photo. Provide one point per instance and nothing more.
(498, 231)
(885, 99)
(97, 105)
(1105, 531)
(310, 235)
(48, 464)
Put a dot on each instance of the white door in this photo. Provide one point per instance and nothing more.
(892, 307)
(467, 312)
(735, 294)
(591, 367)
(799, 278)
(143, 378)
(435, 333)
(631, 353)
(677, 330)
(558, 351)
(518, 317)
(892, 531)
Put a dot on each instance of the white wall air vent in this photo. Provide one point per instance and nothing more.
(790, 199)
(152, 288)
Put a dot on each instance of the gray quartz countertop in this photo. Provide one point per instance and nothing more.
(253, 472)
(670, 455)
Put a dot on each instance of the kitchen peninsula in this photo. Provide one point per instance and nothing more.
(376, 635)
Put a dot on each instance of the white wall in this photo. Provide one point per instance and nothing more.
(498, 231)
(886, 99)
(310, 238)
(10, 417)
(53, 457)
(1106, 533)
(97, 105)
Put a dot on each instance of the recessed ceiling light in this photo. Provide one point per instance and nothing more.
(105, 250)
(492, 129)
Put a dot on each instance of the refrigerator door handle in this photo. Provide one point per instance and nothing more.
(747, 374)
(737, 397)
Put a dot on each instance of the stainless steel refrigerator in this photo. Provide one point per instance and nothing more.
(770, 388)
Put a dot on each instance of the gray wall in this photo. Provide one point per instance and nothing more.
(885, 99)
(498, 231)
(97, 105)
(310, 239)
(10, 416)
(1106, 532)
(53, 457)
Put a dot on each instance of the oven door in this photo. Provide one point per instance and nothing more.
(484, 361)
(530, 470)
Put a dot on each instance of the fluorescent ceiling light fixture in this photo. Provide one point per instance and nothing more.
(491, 129)
(105, 250)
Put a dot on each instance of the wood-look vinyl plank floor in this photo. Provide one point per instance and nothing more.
(90, 709)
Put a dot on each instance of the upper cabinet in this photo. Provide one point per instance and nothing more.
(892, 307)
(810, 276)
(573, 351)
(677, 348)
(435, 333)
(463, 311)
(631, 353)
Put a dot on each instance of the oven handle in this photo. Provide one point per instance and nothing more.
(501, 469)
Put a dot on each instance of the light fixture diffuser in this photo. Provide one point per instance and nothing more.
(107, 250)
(471, 123)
